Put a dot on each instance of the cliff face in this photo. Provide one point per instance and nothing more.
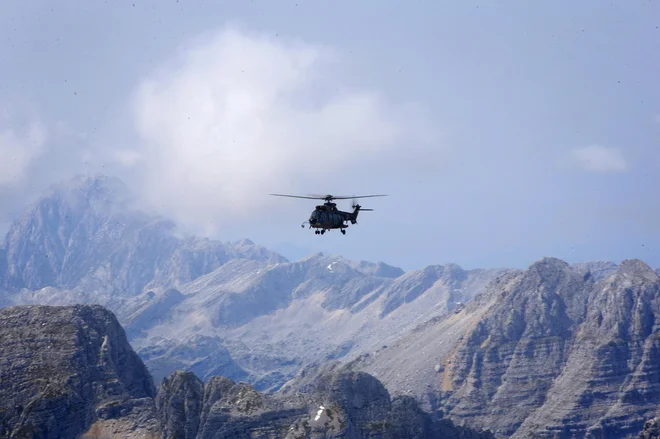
(338, 403)
(62, 368)
(552, 351)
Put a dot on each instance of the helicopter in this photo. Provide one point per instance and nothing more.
(326, 216)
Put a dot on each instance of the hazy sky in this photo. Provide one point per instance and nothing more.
(502, 131)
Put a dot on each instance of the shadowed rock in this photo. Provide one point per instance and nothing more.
(651, 430)
(70, 372)
(63, 368)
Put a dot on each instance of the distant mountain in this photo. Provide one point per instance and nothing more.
(234, 309)
(70, 372)
(276, 318)
(551, 351)
(87, 234)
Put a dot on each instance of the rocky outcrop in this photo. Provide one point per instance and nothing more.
(62, 369)
(341, 402)
(179, 404)
(70, 372)
(517, 350)
(204, 356)
(334, 403)
(651, 430)
(552, 351)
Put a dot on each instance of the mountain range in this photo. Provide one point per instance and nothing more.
(554, 350)
(69, 372)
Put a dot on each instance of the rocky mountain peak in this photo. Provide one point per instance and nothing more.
(93, 185)
(57, 237)
(637, 268)
(98, 192)
(548, 269)
(63, 367)
(547, 352)
(313, 257)
(84, 233)
(245, 241)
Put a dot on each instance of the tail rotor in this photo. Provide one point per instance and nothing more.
(356, 205)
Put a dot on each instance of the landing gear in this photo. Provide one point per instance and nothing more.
(319, 232)
(343, 232)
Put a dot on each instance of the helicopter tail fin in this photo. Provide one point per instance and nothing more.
(357, 208)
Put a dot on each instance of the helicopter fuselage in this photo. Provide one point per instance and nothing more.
(320, 219)
(328, 217)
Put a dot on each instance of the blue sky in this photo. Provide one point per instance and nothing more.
(502, 131)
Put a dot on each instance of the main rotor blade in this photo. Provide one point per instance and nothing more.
(297, 196)
(325, 197)
(357, 196)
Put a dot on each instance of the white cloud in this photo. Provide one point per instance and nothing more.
(18, 150)
(237, 115)
(126, 157)
(596, 158)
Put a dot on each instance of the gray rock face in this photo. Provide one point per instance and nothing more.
(151, 312)
(344, 403)
(204, 356)
(379, 269)
(49, 244)
(552, 351)
(63, 368)
(70, 372)
(598, 270)
(179, 404)
(86, 232)
(651, 430)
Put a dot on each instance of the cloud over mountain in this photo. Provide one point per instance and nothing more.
(20, 144)
(235, 114)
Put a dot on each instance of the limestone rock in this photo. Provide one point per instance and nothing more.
(651, 429)
(64, 368)
(551, 351)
